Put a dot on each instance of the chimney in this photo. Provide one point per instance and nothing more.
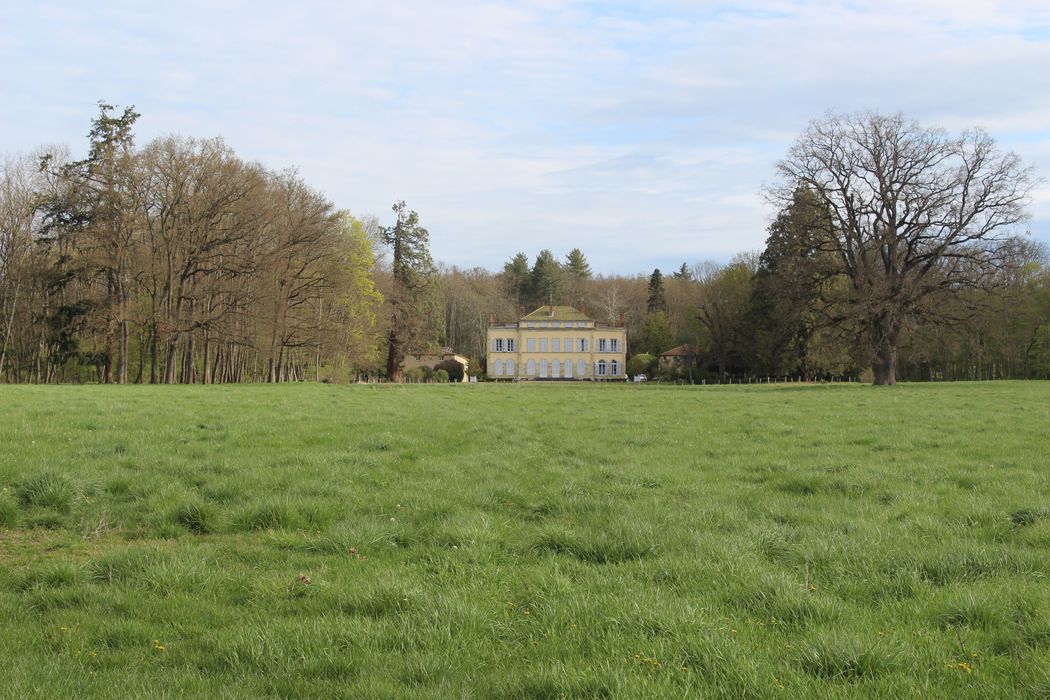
(620, 323)
(492, 319)
(551, 313)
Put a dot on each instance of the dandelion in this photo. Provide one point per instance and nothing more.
(157, 646)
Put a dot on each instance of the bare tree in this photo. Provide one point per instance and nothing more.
(916, 212)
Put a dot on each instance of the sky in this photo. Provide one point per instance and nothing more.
(643, 133)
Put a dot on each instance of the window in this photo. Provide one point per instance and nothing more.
(614, 345)
(510, 345)
(555, 369)
(614, 368)
(543, 324)
(555, 344)
(543, 368)
(583, 345)
(531, 344)
(530, 368)
(510, 368)
(497, 345)
(581, 368)
(581, 324)
(568, 345)
(531, 324)
(602, 344)
(543, 345)
(568, 369)
(498, 371)
(601, 368)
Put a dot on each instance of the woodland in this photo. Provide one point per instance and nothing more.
(178, 261)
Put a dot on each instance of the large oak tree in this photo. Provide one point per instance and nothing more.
(915, 213)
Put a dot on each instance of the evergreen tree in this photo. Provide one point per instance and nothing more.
(577, 274)
(411, 313)
(786, 299)
(657, 295)
(576, 265)
(516, 279)
(547, 279)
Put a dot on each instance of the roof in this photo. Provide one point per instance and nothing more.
(560, 313)
(680, 351)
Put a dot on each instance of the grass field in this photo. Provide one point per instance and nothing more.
(525, 541)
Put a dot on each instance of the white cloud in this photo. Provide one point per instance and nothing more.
(641, 134)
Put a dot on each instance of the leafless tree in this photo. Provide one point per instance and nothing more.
(916, 212)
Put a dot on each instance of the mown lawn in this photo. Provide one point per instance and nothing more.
(525, 541)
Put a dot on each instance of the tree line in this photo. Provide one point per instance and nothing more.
(175, 262)
(895, 252)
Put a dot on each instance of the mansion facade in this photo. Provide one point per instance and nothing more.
(556, 342)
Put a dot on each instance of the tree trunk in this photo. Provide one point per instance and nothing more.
(393, 359)
(169, 364)
(885, 330)
(7, 334)
(122, 359)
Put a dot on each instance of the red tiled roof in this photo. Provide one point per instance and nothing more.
(680, 351)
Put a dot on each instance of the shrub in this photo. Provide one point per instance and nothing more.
(416, 375)
(441, 376)
(453, 369)
(642, 363)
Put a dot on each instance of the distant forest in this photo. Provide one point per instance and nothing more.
(179, 262)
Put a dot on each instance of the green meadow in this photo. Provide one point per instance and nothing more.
(525, 541)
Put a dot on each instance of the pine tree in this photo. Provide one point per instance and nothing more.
(576, 265)
(546, 279)
(516, 279)
(657, 295)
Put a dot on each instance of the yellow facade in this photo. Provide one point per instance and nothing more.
(556, 342)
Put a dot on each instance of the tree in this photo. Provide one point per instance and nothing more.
(98, 201)
(916, 214)
(412, 317)
(725, 296)
(516, 279)
(577, 275)
(786, 300)
(657, 295)
(576, 264)
(546, 279)
(656, 334)
(683, 273)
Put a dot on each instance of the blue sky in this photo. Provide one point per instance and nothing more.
(640, 132)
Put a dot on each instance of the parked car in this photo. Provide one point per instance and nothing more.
(640, 378)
